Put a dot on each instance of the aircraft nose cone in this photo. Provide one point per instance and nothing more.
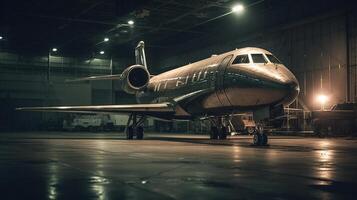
(293, 92)
(291, 85)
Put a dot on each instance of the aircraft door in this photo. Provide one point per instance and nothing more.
(220, 75)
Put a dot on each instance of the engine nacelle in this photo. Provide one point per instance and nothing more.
(134, 78)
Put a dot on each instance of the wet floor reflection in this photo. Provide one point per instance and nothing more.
(237, 161)
(70, 180)
(325, 164)
(236, 152)
(98, 185)
(52, 181)
(97, 181)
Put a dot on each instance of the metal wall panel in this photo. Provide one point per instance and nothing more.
(315, 50)
(352, 42)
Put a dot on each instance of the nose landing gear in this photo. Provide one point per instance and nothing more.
(260, 138)
(220, 129)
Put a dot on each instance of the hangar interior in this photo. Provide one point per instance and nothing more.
(50, 155)
(43, 44)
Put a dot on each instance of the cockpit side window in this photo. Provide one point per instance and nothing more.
(258, 58)
(241, 59)
(273, 59)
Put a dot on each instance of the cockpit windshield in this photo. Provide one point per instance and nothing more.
(241, 59)
(273, 59)
(258, 58)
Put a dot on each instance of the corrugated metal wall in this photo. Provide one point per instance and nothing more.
(352, 45)
(314, 49)
(316, 53)
(24, 82)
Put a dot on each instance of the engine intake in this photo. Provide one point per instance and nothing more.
(134, 79)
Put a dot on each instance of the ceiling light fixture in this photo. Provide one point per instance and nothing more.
(101, 52)
(238, 8)
(106, 39)
(131, 22)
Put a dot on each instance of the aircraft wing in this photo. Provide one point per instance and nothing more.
(153, 109)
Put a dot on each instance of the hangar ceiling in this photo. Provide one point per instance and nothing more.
(79, 27)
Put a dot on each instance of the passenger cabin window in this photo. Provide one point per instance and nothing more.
(241, 59)
(258, 58)
(273, 59)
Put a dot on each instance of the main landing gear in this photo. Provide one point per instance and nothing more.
(219, 129)
(134, 127)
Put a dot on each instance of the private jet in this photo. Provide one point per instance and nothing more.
(243, 80)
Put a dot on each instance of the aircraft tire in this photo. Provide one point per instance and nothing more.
(257, 139)
(223, 134)
(214, 133)
(130, 133)
(139, 133)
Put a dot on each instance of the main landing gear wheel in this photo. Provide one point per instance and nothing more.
(223, 133)
(130, 133)
(139, 133)
(214, 133)
(219, 128)
(134, 127)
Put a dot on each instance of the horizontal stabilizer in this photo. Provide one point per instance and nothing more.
(95, 78)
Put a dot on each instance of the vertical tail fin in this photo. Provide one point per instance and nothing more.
(140, 54)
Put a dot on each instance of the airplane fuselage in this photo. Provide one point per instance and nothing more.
(248, 79)
(219, 85)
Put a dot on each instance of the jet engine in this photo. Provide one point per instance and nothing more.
(134, 79)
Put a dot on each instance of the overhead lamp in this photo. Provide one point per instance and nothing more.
(238, 8)
(54, 49)
(1, 38)
(101, 52)
(106, 39)
(131, 22)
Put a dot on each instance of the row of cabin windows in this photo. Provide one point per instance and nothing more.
(256, 58)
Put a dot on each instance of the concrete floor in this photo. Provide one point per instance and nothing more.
(104, 166)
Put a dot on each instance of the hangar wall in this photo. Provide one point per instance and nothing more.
(24, 82)
(315, 49)
(352, 49)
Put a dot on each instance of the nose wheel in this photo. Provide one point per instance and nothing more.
(260, 138)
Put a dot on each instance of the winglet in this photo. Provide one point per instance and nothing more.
(140, 57)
